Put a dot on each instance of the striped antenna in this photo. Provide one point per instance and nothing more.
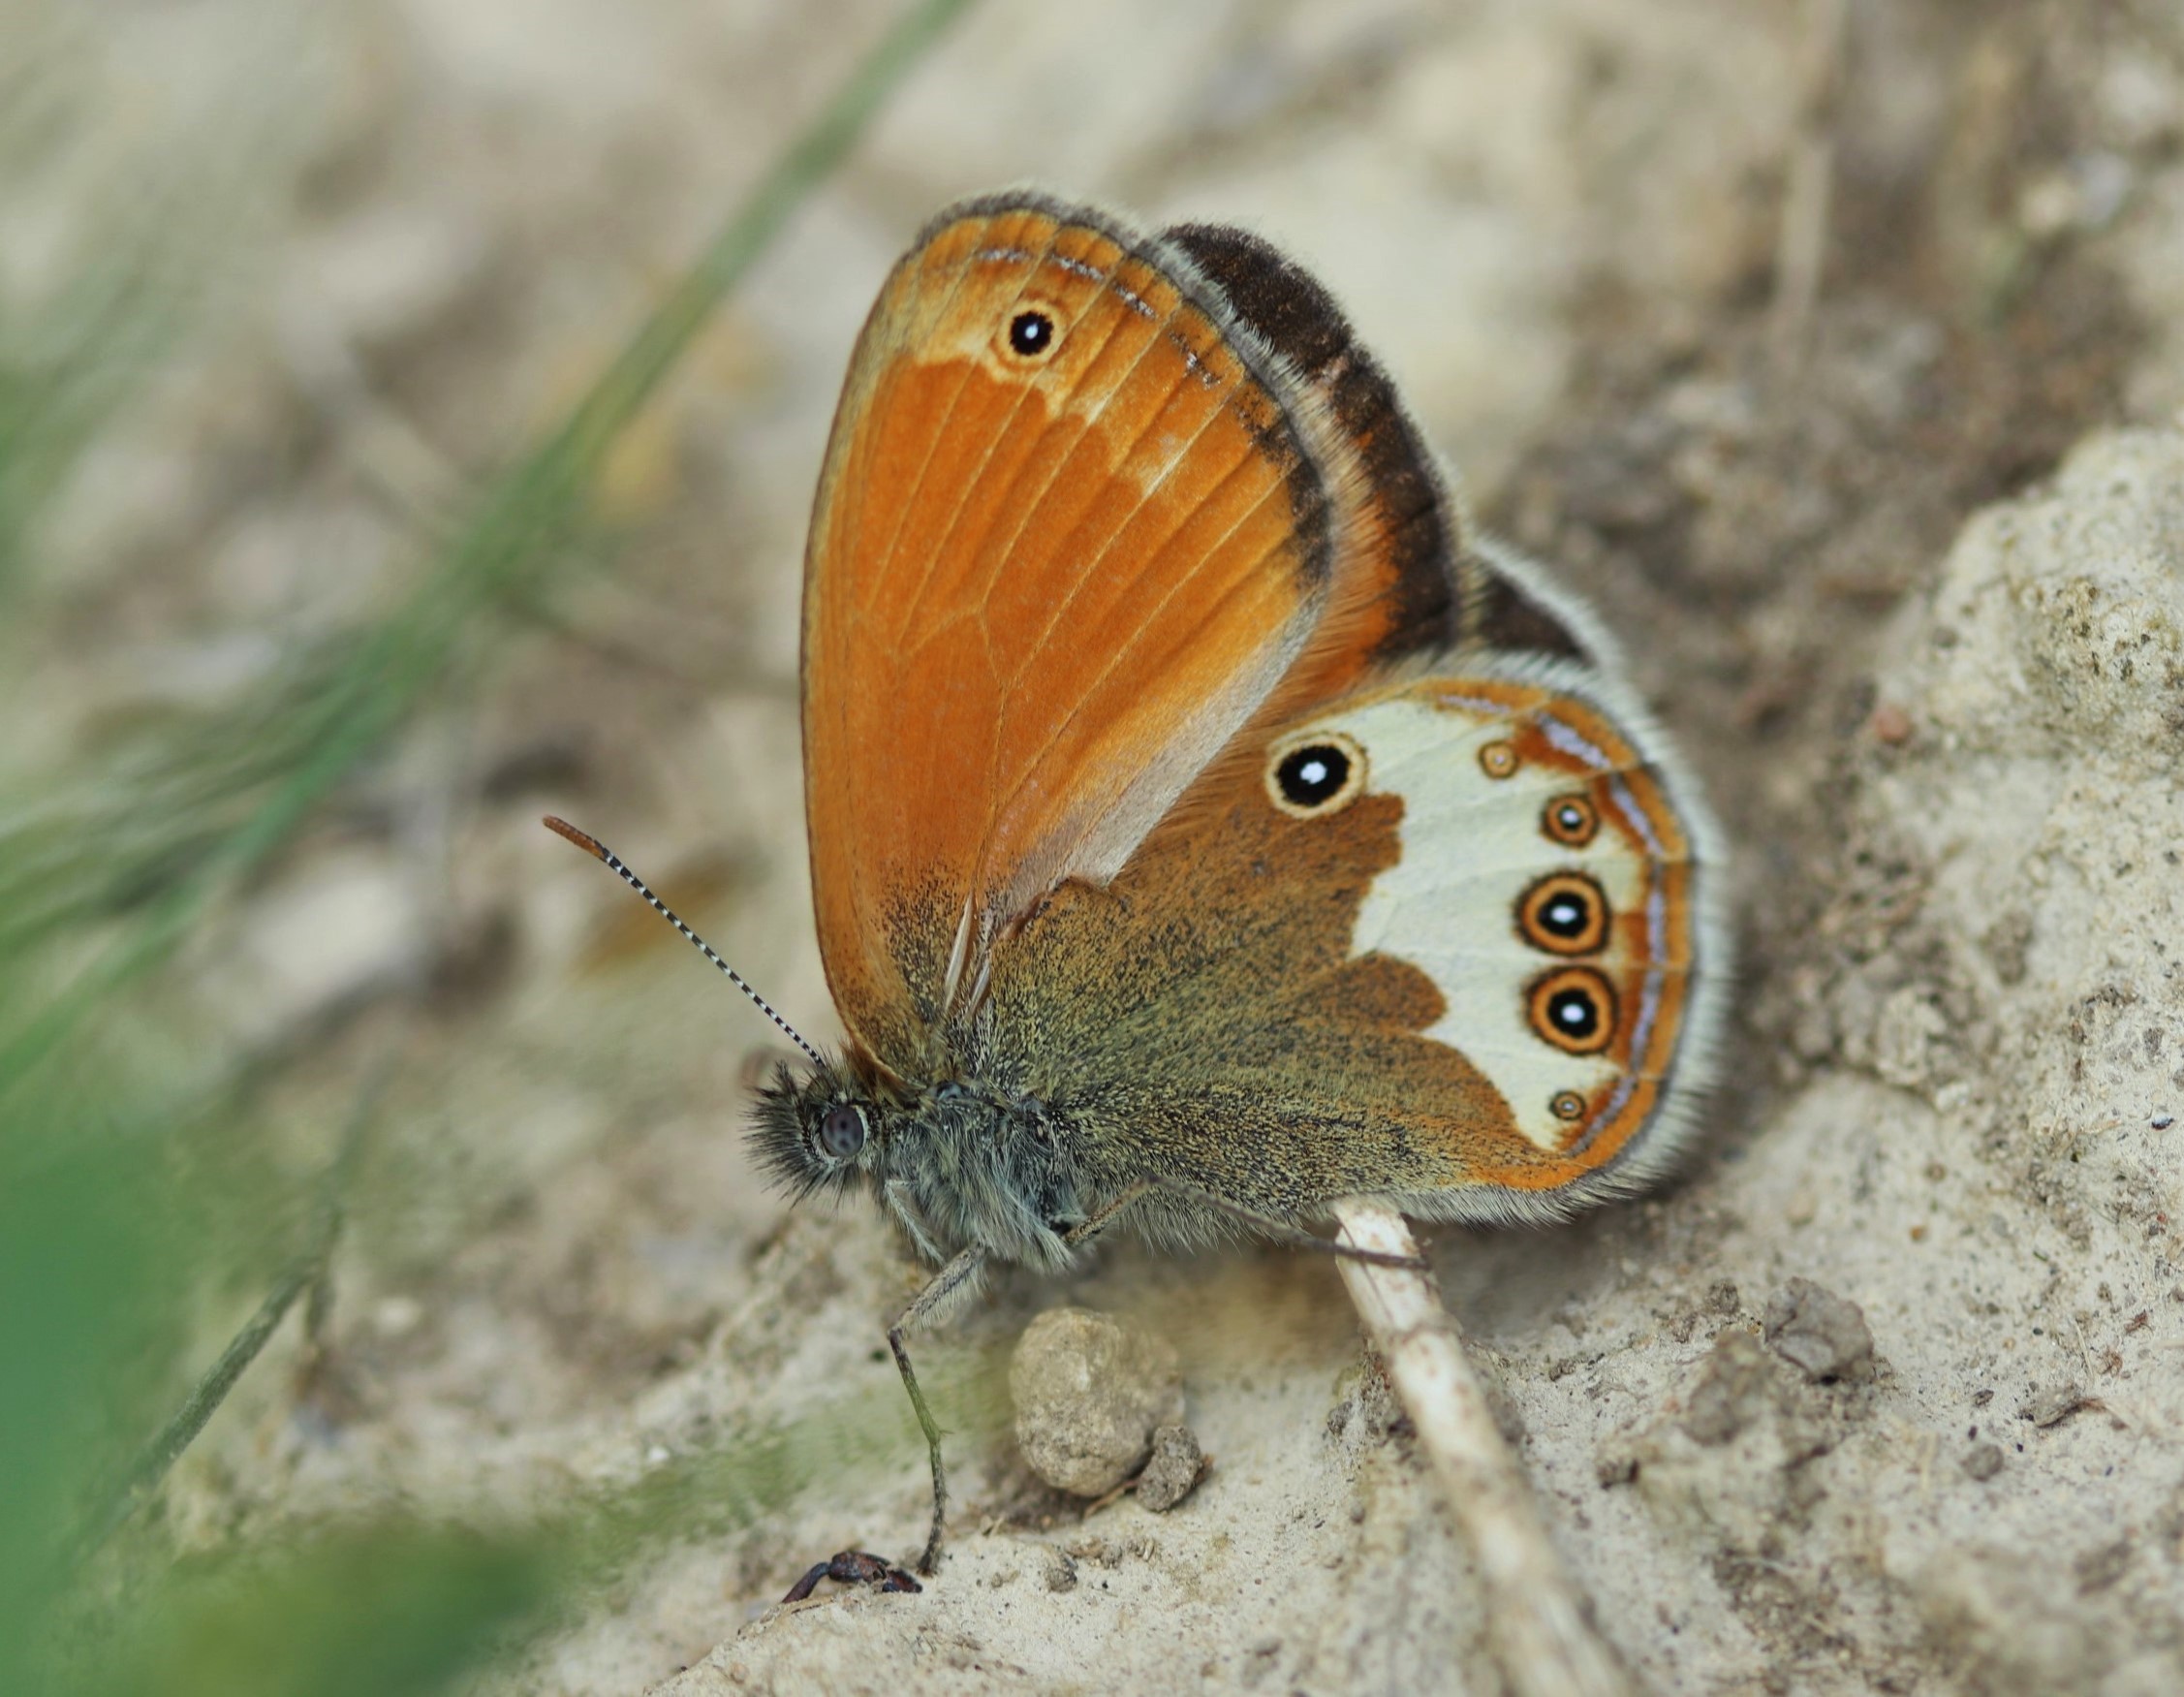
(599, 851)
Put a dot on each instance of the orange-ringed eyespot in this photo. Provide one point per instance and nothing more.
(1574, 1010)
(1564, 913)
(1570, 820)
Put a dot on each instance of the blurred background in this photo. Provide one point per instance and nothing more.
(408, 418)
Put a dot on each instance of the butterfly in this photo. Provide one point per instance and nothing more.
(1207, 823)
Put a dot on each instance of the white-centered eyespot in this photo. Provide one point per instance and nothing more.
(1033, 332)
(1564, 913)
(1570, 820)
(1315, 773)
(1574, 1010)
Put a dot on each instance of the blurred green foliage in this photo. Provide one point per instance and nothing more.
(107, 1240)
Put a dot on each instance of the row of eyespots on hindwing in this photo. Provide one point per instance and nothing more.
(1566, 916)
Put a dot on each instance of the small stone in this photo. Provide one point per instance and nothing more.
(1983, 1461)
(1890, 724)
(1174, 1470)
(1089, 1393)
(1060, 1573)
(1731, 1390)
(2052, 1404)
(2098, 1569)
(1616, 1464)
(1819, 1333)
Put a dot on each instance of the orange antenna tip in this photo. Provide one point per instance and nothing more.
(584, 839)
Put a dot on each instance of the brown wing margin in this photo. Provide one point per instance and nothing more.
(1425, 589)
(1414, 530)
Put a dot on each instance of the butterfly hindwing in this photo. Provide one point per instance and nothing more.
(1556, 885)
(1447, 941)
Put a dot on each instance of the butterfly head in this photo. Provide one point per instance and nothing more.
(957, 1162)
(826, 1130)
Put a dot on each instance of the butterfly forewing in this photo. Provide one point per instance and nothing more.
(1066, 542)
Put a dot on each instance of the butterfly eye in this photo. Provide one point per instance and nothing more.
(841, 1133)
(1320, 774)
(1031, 334)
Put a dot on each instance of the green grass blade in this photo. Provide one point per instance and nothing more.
(520, 532)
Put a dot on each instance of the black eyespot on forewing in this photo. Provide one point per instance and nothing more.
(1031, 334)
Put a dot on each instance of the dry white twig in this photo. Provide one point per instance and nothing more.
(1540, 1620)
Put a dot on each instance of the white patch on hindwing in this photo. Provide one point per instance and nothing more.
(1473, 843)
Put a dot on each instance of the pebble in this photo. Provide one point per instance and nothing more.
(1819, 1333)
(2052, 1404)
(1173, 1471)
(1090, 1392)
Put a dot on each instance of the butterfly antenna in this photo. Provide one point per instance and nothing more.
(599, 851)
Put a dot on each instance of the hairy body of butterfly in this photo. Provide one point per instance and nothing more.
(1205, 825)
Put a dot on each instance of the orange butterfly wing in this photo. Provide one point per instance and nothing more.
(1043, 588)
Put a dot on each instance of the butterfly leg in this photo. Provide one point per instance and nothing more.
(853, 1567)
(896, 1196)
(1085, 1230)
(946, 1283)
(1288, 1235)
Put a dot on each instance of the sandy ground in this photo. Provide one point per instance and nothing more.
(1902, 561)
